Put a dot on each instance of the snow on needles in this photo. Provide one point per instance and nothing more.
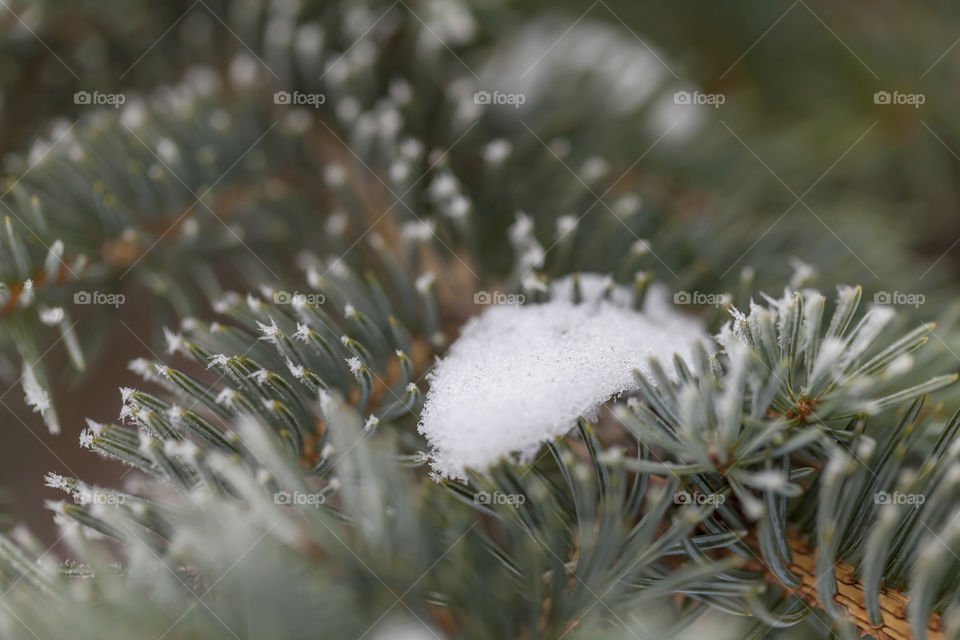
(519, 376)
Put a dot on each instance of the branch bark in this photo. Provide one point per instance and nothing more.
(850, 597)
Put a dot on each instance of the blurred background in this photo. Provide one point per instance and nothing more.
(825, 132)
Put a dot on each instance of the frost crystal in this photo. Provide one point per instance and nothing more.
(565, 225)
(296, 370)
(38, 398)
(271, 332)
(496, 151)
(140, 366)
(418, 230)
(261, 376)
(95, 428)
(174, 341)
(52, 316)
(55, 481)
(86, 439)
(226, 398)
(175, 415)
(424, 282)
(519, 376)
(356, 366)
(218, 360)
(443, 186)
(303, 332)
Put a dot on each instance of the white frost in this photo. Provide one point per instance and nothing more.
(38, 399)
(519, 376)
(53, 316)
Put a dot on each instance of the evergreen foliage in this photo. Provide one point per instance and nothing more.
(310, 214)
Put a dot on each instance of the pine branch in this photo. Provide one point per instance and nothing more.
(279, 446)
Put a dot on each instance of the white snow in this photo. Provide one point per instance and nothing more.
(519, 376)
